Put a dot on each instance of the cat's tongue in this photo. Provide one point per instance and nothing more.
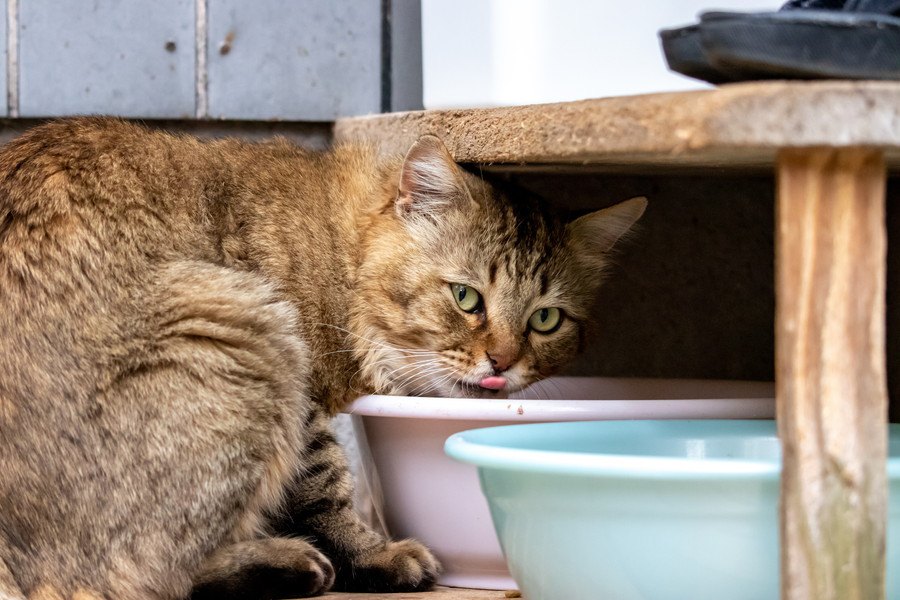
(493, 383)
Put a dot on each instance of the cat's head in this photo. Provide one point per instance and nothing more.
(463, 292)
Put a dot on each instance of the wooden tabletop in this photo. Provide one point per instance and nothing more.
(736, 125)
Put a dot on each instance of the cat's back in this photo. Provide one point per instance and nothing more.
(85, 203)
(63, 168)
(88, 209)
(95, 212)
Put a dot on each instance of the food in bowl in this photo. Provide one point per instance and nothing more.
(430, 497)
(642, 509)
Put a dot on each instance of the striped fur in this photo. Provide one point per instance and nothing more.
(180, 319)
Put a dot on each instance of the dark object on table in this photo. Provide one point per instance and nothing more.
(805, 39)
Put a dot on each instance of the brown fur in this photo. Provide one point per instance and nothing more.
(178, 318)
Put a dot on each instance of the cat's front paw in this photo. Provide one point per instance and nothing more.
(404, 566)
(266, 568)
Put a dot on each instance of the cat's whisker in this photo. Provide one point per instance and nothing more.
(375, 347)
(406, 351)
(421, 361)
(409, 373)
(424, 371)
(453, 387)
(420, 358)
(433, 368)
(376, 361)
(420, 367)
(452, 393)
(448, 374)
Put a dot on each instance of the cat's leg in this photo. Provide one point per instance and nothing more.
(262, 569)
(319, 507)
(253, 567)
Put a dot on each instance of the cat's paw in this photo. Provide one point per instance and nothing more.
(273, 568)
(315, 576)
(404, 566)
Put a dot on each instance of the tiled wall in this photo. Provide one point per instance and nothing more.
(298, 60)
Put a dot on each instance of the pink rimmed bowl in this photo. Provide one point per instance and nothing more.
(420, 492)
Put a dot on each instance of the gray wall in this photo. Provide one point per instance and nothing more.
(297, 60)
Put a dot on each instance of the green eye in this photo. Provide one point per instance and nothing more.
(467, 298)
(545, 320)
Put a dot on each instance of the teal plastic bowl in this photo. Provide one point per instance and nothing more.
(641, 510)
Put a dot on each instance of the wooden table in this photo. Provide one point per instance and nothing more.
(828, 144)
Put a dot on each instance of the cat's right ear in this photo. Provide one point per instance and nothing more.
(430, 181)
(596, 233)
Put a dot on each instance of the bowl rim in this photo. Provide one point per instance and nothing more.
(685, 405)
(466, 409)
(461, 447)
(623, 466)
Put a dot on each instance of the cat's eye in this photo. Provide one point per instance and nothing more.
(467, 298)
(545, 320)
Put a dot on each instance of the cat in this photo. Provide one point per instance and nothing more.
(179, 320)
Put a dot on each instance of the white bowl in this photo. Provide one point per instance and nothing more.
(428, 496)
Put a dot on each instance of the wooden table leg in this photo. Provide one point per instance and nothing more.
(830, 371)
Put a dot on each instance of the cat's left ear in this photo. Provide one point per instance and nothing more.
(430, 181)
(596, 232)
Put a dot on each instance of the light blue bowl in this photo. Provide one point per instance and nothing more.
(641, 510)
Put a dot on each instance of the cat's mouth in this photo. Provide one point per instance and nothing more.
(492, 387)
(449, 381)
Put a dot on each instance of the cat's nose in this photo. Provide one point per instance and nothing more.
(500, 360)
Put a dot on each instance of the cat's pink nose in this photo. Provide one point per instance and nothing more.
(500, 360)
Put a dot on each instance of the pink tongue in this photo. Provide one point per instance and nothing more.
(493, 383)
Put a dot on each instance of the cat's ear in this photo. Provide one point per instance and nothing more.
(430, 180)
(596, 232)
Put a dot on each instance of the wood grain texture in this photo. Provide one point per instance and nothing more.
(735, 126)
(830, 372)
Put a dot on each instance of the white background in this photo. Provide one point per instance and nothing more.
(505, 52)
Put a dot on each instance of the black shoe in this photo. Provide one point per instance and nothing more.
(805, 39)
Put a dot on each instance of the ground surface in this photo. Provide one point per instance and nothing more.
(441, 593)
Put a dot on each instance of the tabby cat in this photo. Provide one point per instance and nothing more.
(180, 319)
